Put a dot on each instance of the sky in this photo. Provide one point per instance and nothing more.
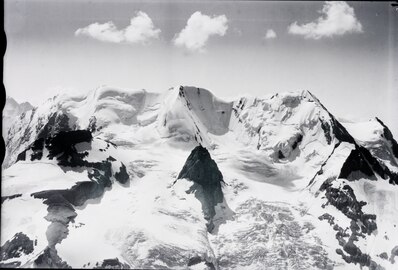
(343, 52)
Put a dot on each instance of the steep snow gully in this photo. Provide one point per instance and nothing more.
(181, 179)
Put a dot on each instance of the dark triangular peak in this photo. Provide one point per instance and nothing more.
(203, 171)
(362, 164)
(201, 168)
(357, 166)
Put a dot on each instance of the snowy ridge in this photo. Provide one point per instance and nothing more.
(299, 189)
(99, 109)
(11, 111)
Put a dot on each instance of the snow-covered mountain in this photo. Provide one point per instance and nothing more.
(11, 111)
(184, 180)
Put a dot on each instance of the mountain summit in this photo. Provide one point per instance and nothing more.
(202, 170)
(276, 182)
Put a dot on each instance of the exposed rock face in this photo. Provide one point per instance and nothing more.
(19, 244)
(362, 224)
(122, 176)
(82, 191)
(197, 260)
(388, 135)
(203, 171)
(362, 164)
(394, 253)
(112, 264)
(50, 259)
(63, 143)
(201, 168)
(61, 146)
(28, 130)
(56, 123)
(10, 197)
(356, 167)
(61, 202)
(11, 111)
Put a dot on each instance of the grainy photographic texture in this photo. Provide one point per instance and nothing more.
(200, 135)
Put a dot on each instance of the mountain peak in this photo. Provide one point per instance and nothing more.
(201, 168)
(203, 171)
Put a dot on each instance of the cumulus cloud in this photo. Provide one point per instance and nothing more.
(140, 30)
(337, 18)
(199, 28)
(270, 34)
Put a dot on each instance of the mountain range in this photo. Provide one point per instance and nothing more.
(121, 178)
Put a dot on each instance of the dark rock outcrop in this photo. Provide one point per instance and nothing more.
(327, 217)
(297, 141)
(61, 203)
(201, 168)
(197, 259)
(112, 264)
(203, 171)
(340, 131)
(78, 194)
(362, 164)
(10, 265)
(356, 167)
(55, 123)
(389, 137)
(50, 259)
(362, 224)
(394, 253)
(63, 143)
(4, 198)
(326, 130)
(37, 149)
(345, 200)
(14, 248)
(61, 146)
(121, 176)
(384, 255)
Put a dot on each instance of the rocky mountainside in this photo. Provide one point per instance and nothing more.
(181, 179)
(11, 111)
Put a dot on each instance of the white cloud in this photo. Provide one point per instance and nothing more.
(199, 28)
(103, 32)
(337, 18)
(140, 30)
(270, 34)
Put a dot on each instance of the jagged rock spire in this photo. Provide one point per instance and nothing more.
(203, 171)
